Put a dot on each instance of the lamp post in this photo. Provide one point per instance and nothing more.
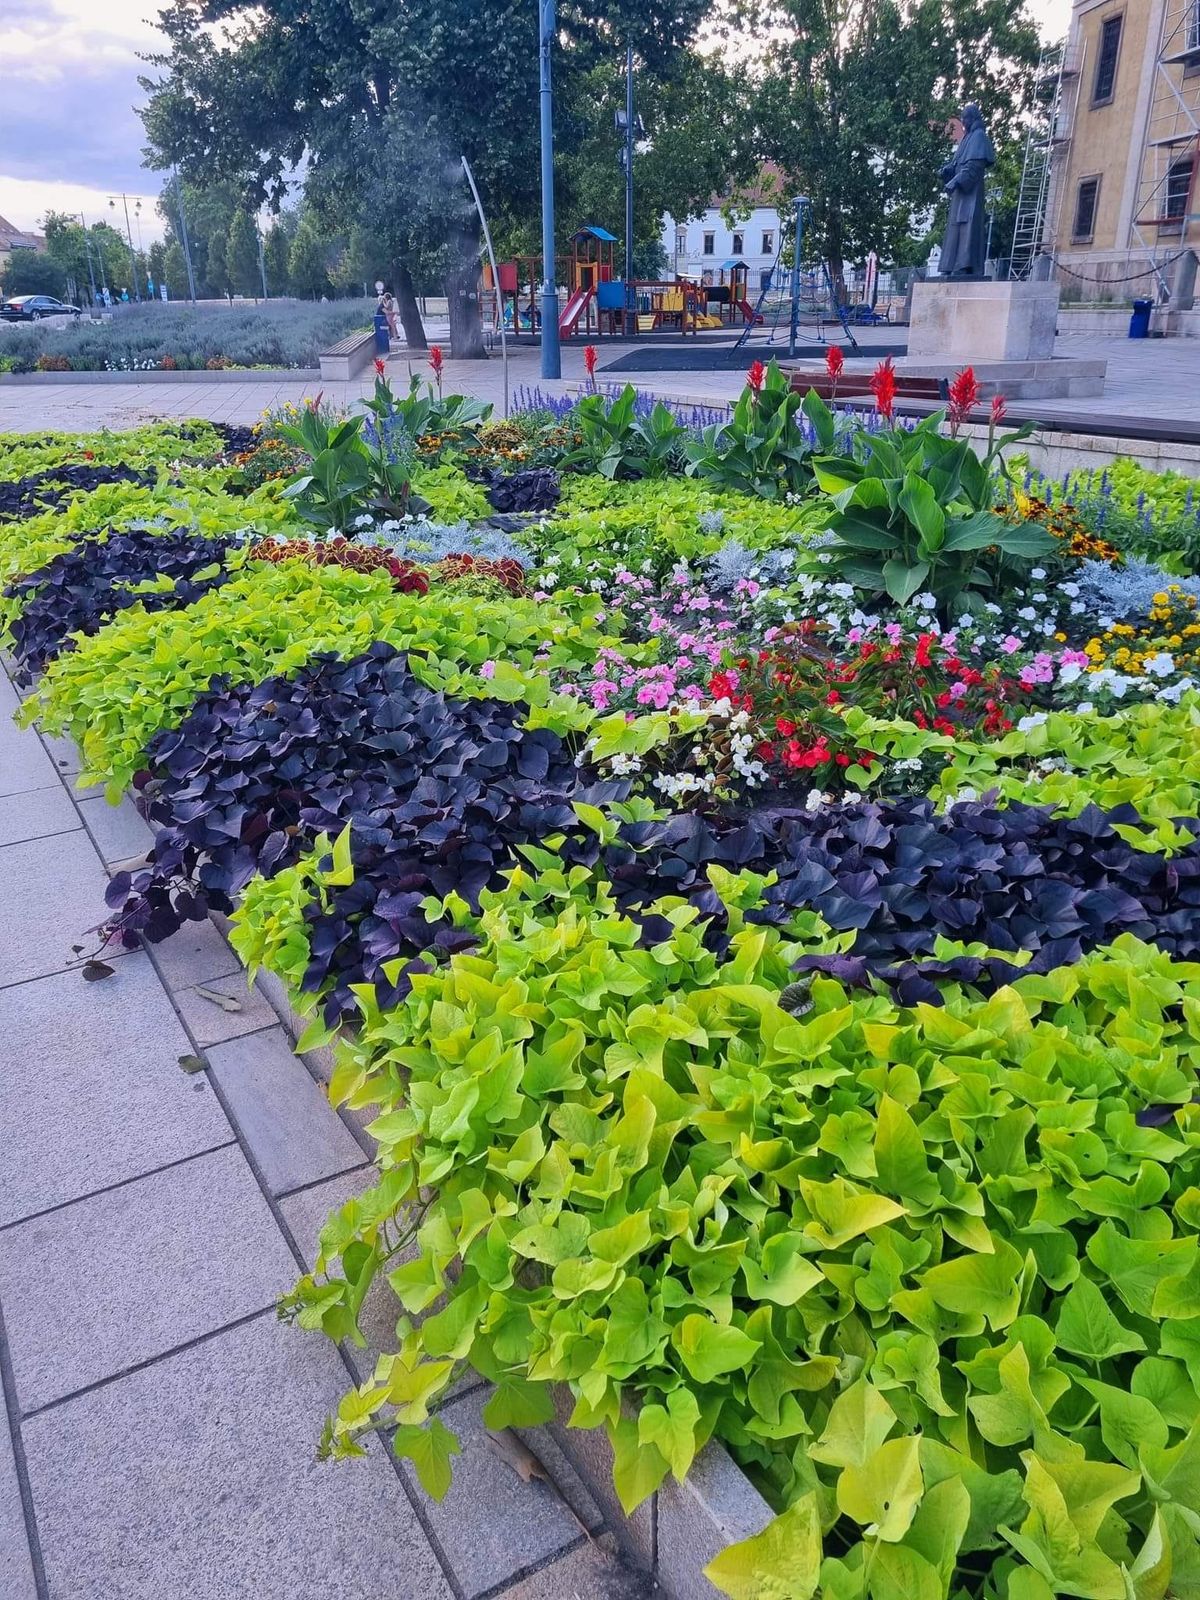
(87, 250)
(551, 350)
(629, 124)
(133, 267)
(794, 319)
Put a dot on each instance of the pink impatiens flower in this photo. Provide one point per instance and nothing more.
(488, 669)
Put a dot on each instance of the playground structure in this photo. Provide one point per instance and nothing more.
(599, 304)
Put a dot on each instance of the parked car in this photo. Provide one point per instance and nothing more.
(33, 307)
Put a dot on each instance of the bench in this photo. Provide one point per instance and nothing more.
(853, 386)
(346, 359)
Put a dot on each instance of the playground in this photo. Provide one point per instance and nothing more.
(704, 325)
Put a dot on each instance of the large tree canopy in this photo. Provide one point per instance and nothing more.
(383, 98)
(854, 97)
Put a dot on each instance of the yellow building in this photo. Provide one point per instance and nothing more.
(1124, 195)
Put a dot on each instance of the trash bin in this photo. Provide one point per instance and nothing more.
(1139, 322)
(383, 340)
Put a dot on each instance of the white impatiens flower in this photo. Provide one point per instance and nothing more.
(1161, 665)
(1174, 692)
(1069, 589)
(1027, 614)
(1034, 720)
(926, 601)
(1085, 708)
(1037, 572)
(1069, 673)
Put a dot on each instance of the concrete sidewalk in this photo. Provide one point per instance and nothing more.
(161, 1423)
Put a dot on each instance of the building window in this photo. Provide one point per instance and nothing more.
(1192, 31)
(681, 241)
(764, 277)
(1106, 63)
(768, 245)
(739, 243)
(710, 244)
(1179, 192)
(1085, 210)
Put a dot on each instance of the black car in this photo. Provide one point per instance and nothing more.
(33, 307)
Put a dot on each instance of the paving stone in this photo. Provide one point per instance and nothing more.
(293, 1131)
(590, 1454)
(24, 764)
(91, 1093)
(305, 1215)
(209, 1023)
(196, 953)
(36, 813)
(58, 884)
(524, 1524)
(196, 1479)
(716, 1506)
(113, 1280)
(119, 831)
(590, 1572)
(16, 1569)
(64, 753)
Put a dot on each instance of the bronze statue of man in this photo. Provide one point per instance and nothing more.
(965, 246)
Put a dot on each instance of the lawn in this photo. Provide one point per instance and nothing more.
(750, 869)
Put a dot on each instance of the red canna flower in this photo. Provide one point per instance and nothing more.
(999, 410)
(964, 397)
(589, 360)
(437, 361)
(882, 385)
(834, 362)
(755, 377)
(380, 366)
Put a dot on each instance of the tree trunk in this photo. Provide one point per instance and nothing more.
(407, 308)
(462, 293)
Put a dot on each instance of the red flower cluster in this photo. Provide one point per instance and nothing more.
(380, 366)
(882, 384)
(793, 691)
(999, 410)
(756, 377)
(437, 361)
(964, 397)
(835, 361)
(589, 360)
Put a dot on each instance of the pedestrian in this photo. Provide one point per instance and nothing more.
(387, 304)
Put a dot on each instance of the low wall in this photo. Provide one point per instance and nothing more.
(221, 375)
(1113, 322)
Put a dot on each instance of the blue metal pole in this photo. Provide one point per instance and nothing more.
(630, 299)
(801, 202)
(551, 351)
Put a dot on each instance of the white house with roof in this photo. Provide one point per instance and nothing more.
(703, 246)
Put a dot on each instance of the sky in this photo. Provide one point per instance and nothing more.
(69, 136)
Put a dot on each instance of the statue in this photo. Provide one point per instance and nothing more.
(963, 251)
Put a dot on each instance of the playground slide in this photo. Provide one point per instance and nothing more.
(572, 311)
(748, 311)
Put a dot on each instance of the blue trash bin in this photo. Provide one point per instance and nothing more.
(1139, 322)
(383, 341)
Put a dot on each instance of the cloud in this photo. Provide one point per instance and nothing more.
(68, 92)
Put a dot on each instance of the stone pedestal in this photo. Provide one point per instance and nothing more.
(973, 322)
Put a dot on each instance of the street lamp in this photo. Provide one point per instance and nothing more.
(133, 267)
(629, 124)
(551, 350)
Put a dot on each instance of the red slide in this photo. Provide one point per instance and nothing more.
(747, 311)
(572, 311)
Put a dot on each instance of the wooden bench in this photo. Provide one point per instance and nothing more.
(853, 386)
(346, 359)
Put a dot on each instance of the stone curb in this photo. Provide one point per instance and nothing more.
(223, 375)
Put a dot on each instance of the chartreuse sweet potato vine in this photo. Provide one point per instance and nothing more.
(933, 1274)
(144, 669)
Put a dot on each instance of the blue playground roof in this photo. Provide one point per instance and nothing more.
(734, 261)
(591, 231)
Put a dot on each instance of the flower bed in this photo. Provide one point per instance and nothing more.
(757, 889)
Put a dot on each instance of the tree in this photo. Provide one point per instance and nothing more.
(276, 249)
(855, 97)
(174, 271)
(156, 263)
(241, 255)
(384, 99)
(32, 272)
(307, 264)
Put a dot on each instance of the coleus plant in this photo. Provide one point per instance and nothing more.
(931, 1274)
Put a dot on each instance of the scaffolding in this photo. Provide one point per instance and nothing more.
(1046, 135)
(1167, 188)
